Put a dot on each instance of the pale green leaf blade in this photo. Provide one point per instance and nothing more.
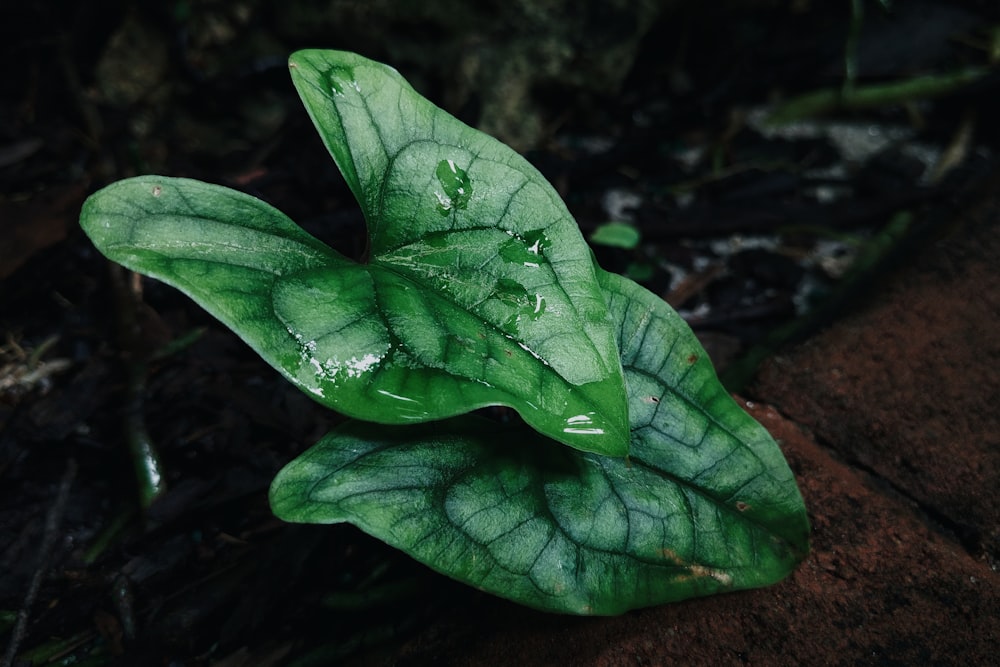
(704, 503)
(455, 210)
(364, 339)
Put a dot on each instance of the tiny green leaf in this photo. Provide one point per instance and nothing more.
(479, 289)
(616, 235)
(704, 503)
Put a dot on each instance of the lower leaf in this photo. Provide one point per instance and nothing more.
(705, 502)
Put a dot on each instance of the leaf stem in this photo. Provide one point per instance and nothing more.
(145, 458)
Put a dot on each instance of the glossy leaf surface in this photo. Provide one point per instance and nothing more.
(479, 289)
(452, 209)
(704, 503)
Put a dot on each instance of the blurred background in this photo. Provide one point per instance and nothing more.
(759, 164)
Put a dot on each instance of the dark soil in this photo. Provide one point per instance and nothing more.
(852, 295)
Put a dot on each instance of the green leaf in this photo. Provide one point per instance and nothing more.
(704, 503)
(479, 289)
(616, 235)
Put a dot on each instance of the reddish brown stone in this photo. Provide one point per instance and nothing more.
(909, 388)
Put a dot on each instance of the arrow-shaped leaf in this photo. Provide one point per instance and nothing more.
(704, 503)
(479, 289)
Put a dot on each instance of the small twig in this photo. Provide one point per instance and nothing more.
(924, 87)
(52, 521)
(112, 532)
(958, 148)
(851, 47)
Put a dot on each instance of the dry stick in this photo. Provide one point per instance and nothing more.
(52, 521)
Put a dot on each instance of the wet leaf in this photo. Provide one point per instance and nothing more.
(704, 503)
(479, 289)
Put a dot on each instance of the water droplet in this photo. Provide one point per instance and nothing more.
(583, 425)
(510, 291)
(339, 78)
(409, 408)
(456, 185)
(515, 252)
(527, 249)
(352, 368)
(522, 303)
(332, 370)
(513, 294)
(398, 397)
(538, 308)
(536, 241)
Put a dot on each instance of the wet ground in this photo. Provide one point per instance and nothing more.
(839, 267)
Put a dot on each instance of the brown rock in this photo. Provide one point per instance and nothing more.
(909, 388)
